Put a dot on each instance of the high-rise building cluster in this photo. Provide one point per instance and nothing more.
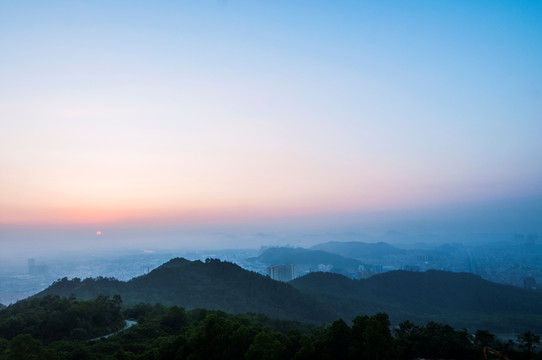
(281, 272)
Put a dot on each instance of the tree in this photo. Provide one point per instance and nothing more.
(359, 324)
(215, 338)
(173, 319)
(527, 341)
(484, 338)
(378, 339)
(267, 345)
(28, 348)
(407, 341)
(337, 340)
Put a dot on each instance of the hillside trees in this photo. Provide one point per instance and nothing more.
(174, 333)
(52, 318)
(527, 340)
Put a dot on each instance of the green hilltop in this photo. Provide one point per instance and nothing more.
(211, 284)
(460, 299)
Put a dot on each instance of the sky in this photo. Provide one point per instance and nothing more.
(177, 114)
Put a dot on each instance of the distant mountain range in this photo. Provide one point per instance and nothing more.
(459, 299)
(359, 250)
(307, 258)
(346, 258)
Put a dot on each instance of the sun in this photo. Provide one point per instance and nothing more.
(98, 233)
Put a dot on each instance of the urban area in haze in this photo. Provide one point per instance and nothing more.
(297, 172)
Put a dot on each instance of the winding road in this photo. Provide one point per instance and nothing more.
(129, 324)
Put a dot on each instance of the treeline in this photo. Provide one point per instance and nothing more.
(54, 318)
(174, 333)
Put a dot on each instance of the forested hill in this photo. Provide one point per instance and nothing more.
(211, 284)
(52, 318)
(460, 299)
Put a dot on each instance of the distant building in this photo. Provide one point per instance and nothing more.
(366, 271)
(529, 283)
(325, 267)
(427, 258)
(31, 266)
(413, 268)
(281, 272)
(34, 269)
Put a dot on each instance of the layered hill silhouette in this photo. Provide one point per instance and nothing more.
(459, 299)
(368, 252)
(307, 258)
(211, 284)
(359, 250)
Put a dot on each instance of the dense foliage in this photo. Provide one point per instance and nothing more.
(53, 318)
(174, 333)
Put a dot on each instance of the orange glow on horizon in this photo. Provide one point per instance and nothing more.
(162, 216)
(162, 213)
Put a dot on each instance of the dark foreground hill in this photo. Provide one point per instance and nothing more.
(462, 300)
(212, 285)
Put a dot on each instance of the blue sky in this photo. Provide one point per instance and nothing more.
(200, 112)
